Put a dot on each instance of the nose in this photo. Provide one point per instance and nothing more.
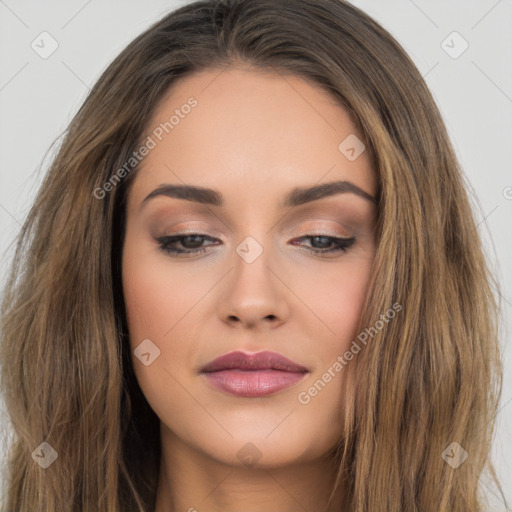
(255, 296)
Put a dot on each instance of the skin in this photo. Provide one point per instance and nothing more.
(253, 137)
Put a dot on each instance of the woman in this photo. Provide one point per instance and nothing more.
(252, 281)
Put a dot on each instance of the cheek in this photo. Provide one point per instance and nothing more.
(337, 299)
(156, 301)
(156, 296)
(159, 307)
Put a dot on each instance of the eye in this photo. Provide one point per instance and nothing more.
(320, 242)
(193, 244)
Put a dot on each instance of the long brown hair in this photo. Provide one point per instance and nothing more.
(429, 378)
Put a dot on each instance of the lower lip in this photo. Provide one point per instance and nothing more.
(253, 383)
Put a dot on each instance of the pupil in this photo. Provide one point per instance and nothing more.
(196, 241)
(325, 240)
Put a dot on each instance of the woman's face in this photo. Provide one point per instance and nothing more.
(247, 277)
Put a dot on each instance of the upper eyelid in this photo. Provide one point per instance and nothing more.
(307, 232)
(348, 228)
(305, 213)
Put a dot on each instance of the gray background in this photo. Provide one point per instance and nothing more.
(38, 98)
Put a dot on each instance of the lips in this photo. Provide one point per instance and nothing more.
(253, 375)
(265, 360)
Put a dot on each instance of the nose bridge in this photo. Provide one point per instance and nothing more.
(252, 273)
(253, 293)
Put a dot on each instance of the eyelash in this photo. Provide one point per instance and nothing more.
(165, 243)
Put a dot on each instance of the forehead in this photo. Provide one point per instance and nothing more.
(250, 134)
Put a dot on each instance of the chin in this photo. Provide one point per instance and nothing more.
(255, 449)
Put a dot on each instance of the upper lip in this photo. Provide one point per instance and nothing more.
(265, 360)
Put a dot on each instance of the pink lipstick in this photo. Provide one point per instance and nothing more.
(253, 375)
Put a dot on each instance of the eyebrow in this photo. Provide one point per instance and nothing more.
(296, 197)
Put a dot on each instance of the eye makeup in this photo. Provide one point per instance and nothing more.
(330, 229)
(170, 244)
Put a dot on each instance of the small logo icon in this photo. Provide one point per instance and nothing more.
(454, 45)
(44, 45)
(351, 147)
(44, 455)
(146, 352)
(454, 455)
(249, 249)
(249, 454)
